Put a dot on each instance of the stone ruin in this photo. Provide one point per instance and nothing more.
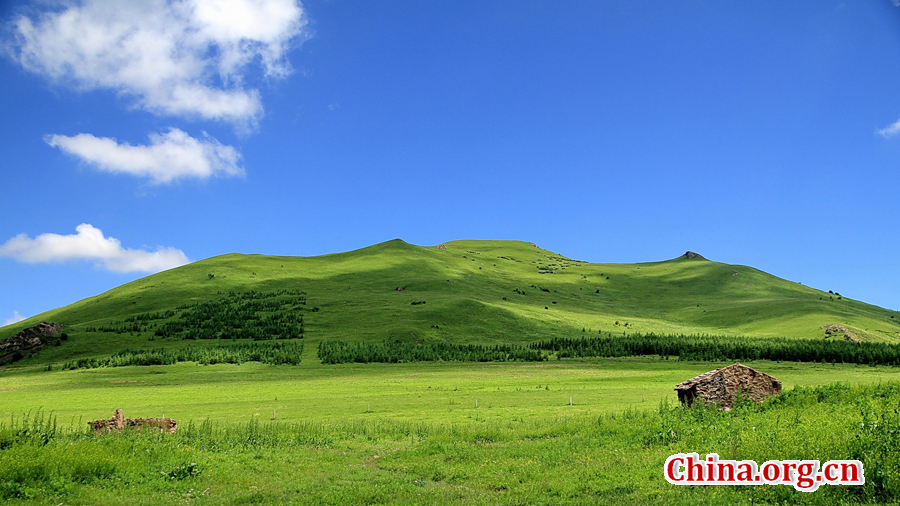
(118, 422)
(722, 386)
(28, 341)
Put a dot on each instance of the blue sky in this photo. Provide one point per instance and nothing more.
(137, 136)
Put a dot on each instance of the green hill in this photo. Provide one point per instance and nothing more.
(485, 292)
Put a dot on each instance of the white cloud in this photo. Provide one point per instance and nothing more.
(172, 57)
(169, 156)
(890, 130)
(16, 317)
(88, 243)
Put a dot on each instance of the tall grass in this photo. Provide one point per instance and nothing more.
(581, 459)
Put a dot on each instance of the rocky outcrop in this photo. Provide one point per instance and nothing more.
(692, 255)
(118, 423)
(833, 329)
(28, 341)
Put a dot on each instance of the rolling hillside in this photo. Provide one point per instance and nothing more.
(486, 292)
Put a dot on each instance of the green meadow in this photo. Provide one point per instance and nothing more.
(421, 392)
(230, 347)
(432, 433)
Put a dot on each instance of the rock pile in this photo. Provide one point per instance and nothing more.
(118, 422)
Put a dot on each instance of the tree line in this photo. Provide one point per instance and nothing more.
(275, 353)
(717, 348)
(683, 347)
(392, 352)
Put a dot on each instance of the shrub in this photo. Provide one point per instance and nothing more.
(182, 471)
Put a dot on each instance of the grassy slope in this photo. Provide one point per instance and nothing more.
(470, 297)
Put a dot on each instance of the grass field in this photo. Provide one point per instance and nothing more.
(412, 434)
(422, 392)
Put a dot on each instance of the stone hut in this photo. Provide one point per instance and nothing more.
(723, 385)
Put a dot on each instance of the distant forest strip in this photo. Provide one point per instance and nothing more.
(392, 352)
(684, 347)
(717, 348)
(245, 315)
(232, 315)
(266, 352)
